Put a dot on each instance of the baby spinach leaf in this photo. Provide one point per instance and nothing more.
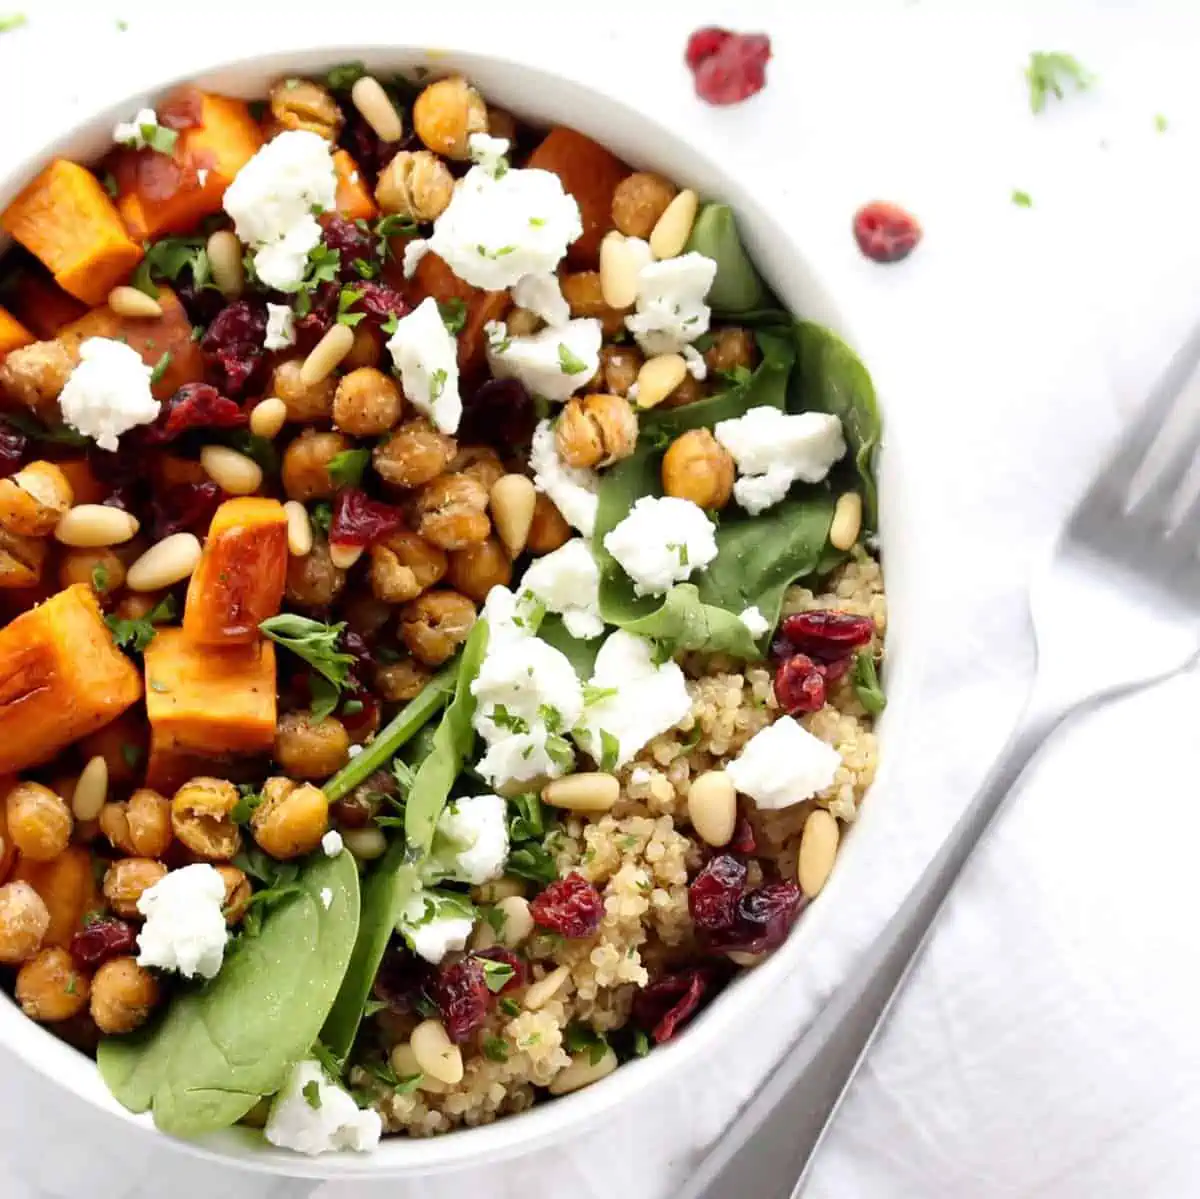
(737, 287)
(581, 654)
(222, 1047)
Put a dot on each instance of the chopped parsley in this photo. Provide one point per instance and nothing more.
(581, 1038)
(168, 258)
(865, 678)
(437, 384)
(736, 375)
(610, 750)
(313, 642)
(641, 1042)
(135, 635)
(344, 76)
(1160, 122)
(502, 718)
(1022, 199)
(346, 469)
(248, 801)
(494, 1049)
(593, 694)
(321, 517)
(159, 138)
(393, 225)
(454, 314)
(12, 21)
(496, 920)
(510, 1007)
(346, 300)
(323, 266)
(109, 181)
(324, 697)
(160, 368)
(571, 365)
(352, 707)
(496, 974)
(537, 221)
(312, 1094)
(559, 751)
(99, 577)
(1049, 73)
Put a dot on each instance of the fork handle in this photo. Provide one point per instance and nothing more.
(776, 1134)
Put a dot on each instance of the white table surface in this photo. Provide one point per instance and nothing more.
(1048, 1044)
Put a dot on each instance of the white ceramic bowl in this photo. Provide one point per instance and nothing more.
(546, 97)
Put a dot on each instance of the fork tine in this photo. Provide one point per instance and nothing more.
(1166, 484)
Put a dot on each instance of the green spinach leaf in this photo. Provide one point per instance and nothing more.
(737, 287)
(581, 654)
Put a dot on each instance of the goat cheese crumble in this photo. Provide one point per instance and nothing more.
(696, 365)
(108, 393)
(185, 922)
(281, 327)
(426, 355)
(142, 132)
(542, 295)
(567, 581)
(671, 311)
(573, 489)
(435, 923)
(332, 843)
(784, 764)
(470, 844)
(488, 152)
(555, 362)
(311, 1115)
(755, 621)
(662, 542)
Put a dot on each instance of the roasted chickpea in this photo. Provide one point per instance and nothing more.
(639, 200)
(366, 350)
(502, 123)
(50, 988)
(311, 749)
(141, 826)
(360, 807)
(451, 511)
(521, 322)
(414, 454)
(39, 822)
(415, 184)
(305, 469)
(313, 581)
(291, 819)
(34, 375)
(125, 880)
(303, 104)
(21, 559)
(445, 115)
(398, 682)
(306, 402)
(100, 569)
(477, 569)
(237, 893)
(435, 624)
(549, 528)
(123, 996)
(201, 817)
(366, 403)
(596, 430)
(731, 347)
(24, 920)
(582, 293)
(403, 565)
(365, 614)
(619, 366)
(699, 468)
(687, 392)
(123, 745)
(480, 462)
(134, 605)
(33, 500)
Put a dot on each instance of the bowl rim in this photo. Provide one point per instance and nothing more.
(519, 1133)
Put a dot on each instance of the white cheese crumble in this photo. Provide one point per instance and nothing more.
(696, 365)
(671, 311)
(639, 776)
(426, 355)
(542, 295)
(646, 700)
(185, 923)
(573, 489)
(755, 621)
(471, 841)
(662, 542)
(554, 362)
(311, 1115)
(435, 923)
(281, 327)
(272, 201)
(354, 751)
(488, 152)
(567, 581)
(108, 393)
(332, 843)
(783, 764)
(773, 449)
(141, 131)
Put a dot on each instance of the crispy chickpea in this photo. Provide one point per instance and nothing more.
(21, 559)
(141, 826)
(367, 402)
(582, 292)
(415, 184)
(403, 565)
(596, 430)
(24, 919)
(123, 996)
(521, 322)
(451, 511)
(398, 682)
(445, 115)
(731, 347)
(100, 569)
(292, 818)
(549, 528)
(480, 462)
(306, 402)
(477, 569)
(311, 749)
(34, 375)
(33, 500)
(639, 200)
(303, 104)
(619, 366)
(122, 744)
(237, 893)
(313, 581)
(414, 454)
(50, 988)
(305, 469)
(39, 822)
(201, 817)
(502, 123)
(688, 392)
(365, 614)
(366, 350)
(435, 624)
(134, 605)
(699, 468)
(125, 880)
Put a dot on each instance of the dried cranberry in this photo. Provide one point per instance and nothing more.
(826, 634)
(200, 303)
(184, 508)
(462, 996)
(101, 940)
(505, 956)
(351, 241)
(743, 839)
(379, 301)
(571, 907)
(704, 43)
(728, 67)
(369, 151)
(321, 314)
(233, 347)
(885, 232)
(764, 918)
(800, 684)
(183, 109)
(500, 413)
(195, 406)
(13, 444)
(401, 979)
(364, 660)
(360, 520)
(714, 893)
(670, 1001)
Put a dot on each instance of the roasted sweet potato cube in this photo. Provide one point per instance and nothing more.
(13, 334)
(67, 885)
(353, 198)
(42, 306)
(85, 486)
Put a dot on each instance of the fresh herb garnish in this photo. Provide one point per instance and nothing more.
(109, 181)
(495, 1049)
(737, 375)
(865, 678)
(593, 694)
(324, 1055)
(610, 750)
(321, 517)
(312, 1094)
(570, 363)
(1160, 122)
(259, 448)
(12, 21)
(100, 577)
(1022, 199)
(168, 259)
(248, 800)
(160, 368)
(135, 635)
(497, 975)
(454, 314)
(54, 434)
(347, 298)
(324, 696)
(159, 138)
(352, 707)
(641, 1042)
(322, 267)
(580, 1038)
(1048, 73)
(392, 225)
(510, 1007)
(344, 76)
(346, 469)
(313, 642)
(131, 754)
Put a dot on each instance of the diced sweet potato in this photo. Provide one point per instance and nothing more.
(353, 199)
(13, 334)
(8, 851)
(42, 306)
(65, 218)
(434, 278)
(152, 337)
(68, 888)
(170, 470)
(239, 581)
(61, 678)
(591, 174)
(161, 193)
(86, 487)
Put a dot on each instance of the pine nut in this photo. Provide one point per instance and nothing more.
(128, 301)
(163, 565)
(404, 1063)
(232, 472)
(540, 993)
(518, 921)
(435, 1053)
(513, 499)
(225, 262)
(818, 848)
(674, 227)
(299, 529)
(582, 1072)
(590, 791)
(377, 109)
(712, 807)
(659, 377)
(324, 357)
(366, 844)
(93, 526)
(268, 417)
(499, 889)
(91, 789)
(619, 270)
(739, 957)
(344, 556)
(847, 521)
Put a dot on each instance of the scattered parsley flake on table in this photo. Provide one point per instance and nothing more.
(1022, 199)
(1049, 72)
(12, 21)
(1160, 123)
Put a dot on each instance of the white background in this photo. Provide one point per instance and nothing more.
(1048, 1044)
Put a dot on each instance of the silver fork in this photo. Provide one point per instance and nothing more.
(1128, 556)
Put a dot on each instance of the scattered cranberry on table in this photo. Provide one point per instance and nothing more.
(885, 232)
(728, 67)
